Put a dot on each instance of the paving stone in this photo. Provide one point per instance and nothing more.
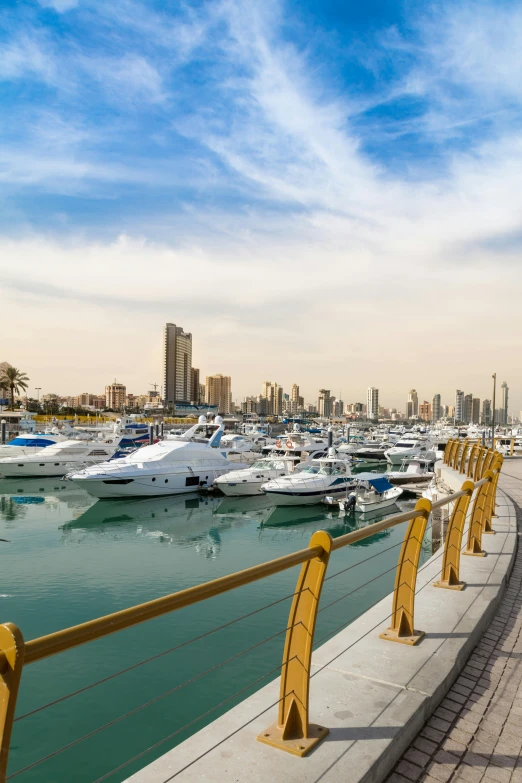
(409, 770)
(425, 745)
(417, 757)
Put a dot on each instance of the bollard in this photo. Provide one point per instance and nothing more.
(402, 628)
(162, 430)
(451, 560)
(476, 524)
(4, 427)
(12, 651)
(151, 434)
(293, 732)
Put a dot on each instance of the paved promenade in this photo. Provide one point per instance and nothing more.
(476, 733)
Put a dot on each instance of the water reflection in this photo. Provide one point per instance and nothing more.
(185, 521)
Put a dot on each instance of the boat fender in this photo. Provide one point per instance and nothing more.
(289, 443)
(278, 444)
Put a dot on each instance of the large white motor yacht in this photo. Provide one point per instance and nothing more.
(326, 476)
(406, 447)
(169, 467)
(58, 459)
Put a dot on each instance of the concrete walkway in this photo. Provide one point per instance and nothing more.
(476, 733)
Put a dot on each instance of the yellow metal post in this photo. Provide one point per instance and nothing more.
(447, 451)
(293, 732)
(451, 558)
(453, 453)
(471, 462)
(480, 461)
(465, 448)
(402, 628)
(11, 663)
(476, 525)
(489, 512)
(488, 461)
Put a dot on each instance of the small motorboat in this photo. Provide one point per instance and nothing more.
(375, 493)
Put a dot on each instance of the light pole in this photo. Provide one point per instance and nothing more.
(494, 376)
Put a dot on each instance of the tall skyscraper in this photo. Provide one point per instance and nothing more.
(436, 408)
(218, 391)
(468, 406)
(177, 365)
(475, 410)
(324, 403)
(273, 393)
(459, 405)
(372, 403)
(486, 412)
(194, 386)
(504, 405)
(412, 406)
(294, 397)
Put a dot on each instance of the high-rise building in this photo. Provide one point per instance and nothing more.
(475, 410)
(468, 408)
(218, 391)
(295, 393)
(486, 412)
(436, 410)
(273, 393)
(338, 408)
(194, 386)
(324, 403)
(412, 406)
(115, 395)
(504, 405)
(425, 411)
(372, 404)
(177, 365)
(459, 405)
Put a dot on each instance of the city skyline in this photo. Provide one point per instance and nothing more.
(165, 163)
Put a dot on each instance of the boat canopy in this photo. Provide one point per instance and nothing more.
(380, 484)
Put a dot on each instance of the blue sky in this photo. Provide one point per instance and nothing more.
(248, 169)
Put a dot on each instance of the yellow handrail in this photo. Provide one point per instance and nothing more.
(293, 732)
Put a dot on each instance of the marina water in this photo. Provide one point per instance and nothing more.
(68, 558)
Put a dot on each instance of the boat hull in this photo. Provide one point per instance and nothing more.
(305, 498)
(162, 484)
(240, 489)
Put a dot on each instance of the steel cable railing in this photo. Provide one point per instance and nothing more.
(153, 658)
(300, 629)
(149, 703)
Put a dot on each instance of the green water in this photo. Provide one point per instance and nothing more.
(69, 558)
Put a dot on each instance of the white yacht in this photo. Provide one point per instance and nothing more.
(406, 447)
(169, 467)
(249, 480)
(413, 470)
(326, 476)
(30, 443)
(58, 459)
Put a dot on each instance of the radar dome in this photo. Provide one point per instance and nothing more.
(218, 420)
(202, 420)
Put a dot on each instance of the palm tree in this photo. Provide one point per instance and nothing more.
(14, 380)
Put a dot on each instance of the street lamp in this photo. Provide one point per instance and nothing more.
(494, 376)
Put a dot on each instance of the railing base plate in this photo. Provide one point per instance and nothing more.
(489, 532)
(448, 586)
(470, 553)
(273, 736)
(392, 636)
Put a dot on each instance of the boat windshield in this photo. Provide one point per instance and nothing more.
(311, 469)
(330, 470)
(267, 464)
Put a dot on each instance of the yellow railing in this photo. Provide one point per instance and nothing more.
(292, 731)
